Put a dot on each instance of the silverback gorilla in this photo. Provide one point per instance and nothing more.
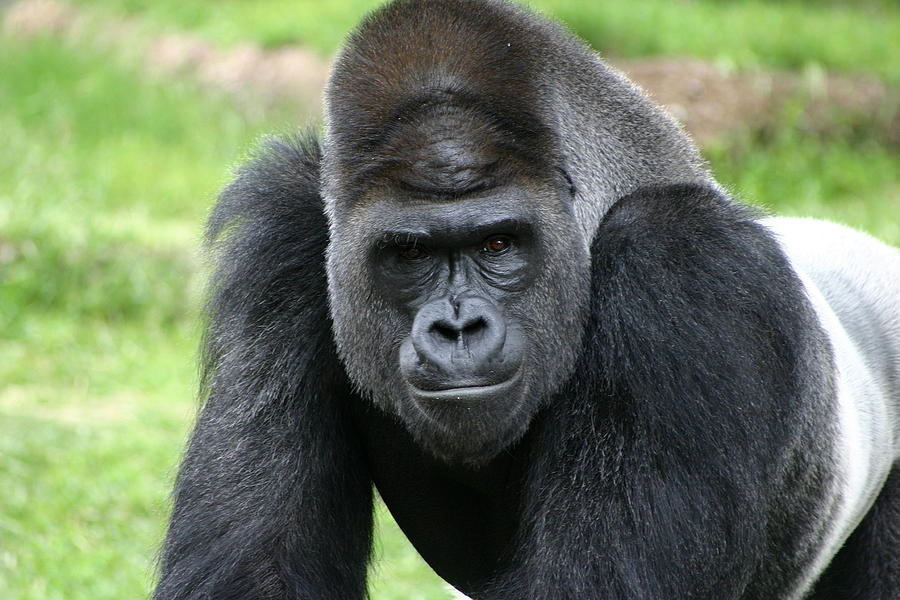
(507, 292)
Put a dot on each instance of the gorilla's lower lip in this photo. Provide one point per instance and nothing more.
(466, 392)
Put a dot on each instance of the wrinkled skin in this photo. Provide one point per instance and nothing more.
(457, 286)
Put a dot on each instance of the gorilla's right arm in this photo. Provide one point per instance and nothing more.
(273, 499)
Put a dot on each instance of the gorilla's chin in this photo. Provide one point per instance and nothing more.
(468, 424)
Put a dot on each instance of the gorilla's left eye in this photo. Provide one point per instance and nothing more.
(496, 244)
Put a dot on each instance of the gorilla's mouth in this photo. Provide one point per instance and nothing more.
(468, 423)
(466, 393)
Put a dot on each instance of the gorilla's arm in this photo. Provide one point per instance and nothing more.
(696, 416)
(273, 499)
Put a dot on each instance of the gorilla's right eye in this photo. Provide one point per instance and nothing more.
(412, 253)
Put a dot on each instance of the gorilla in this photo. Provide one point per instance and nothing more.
(504, 291)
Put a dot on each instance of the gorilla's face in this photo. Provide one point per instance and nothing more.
(458, 287)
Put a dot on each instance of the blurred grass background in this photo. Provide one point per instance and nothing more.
(107, 172)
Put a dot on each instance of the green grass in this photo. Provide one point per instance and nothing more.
(853, 183)
(96, 312)
(849, 37)
(842, 36)
(317, 24)
(106, 176)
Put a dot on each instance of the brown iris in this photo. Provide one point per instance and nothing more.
(496, 244)
(412, 253)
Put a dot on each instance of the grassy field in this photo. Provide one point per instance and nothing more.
(107, 173)
(838, 35)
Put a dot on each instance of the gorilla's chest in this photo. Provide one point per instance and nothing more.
(462, 520)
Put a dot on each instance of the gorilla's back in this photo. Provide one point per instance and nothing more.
(859, 277)
(853, 281)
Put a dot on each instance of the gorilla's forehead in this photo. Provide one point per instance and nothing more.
(446, 148)
(448, 153)
(482, 61)
(510, 208)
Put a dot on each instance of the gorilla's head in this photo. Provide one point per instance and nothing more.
(471, 151)
(458, 274)
(457, 288)
(458, 280)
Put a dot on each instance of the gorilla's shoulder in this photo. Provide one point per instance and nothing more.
(278, 187)
(689, 228)
(267, 236)
(674, 248)
(657, 216)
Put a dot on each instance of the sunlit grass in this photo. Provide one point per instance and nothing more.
(855, 183)
(845, 36)
(842, 36)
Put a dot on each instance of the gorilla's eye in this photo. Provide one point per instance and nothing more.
(412, 253)
(496, 244)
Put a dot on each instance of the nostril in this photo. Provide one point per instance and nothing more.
(442, 329)
(453, 341)
(457, 332)
(474, 327)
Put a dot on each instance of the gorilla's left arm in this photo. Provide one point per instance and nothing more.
(273, 499)
(696, 421)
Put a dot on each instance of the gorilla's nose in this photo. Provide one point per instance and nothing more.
(459, 338)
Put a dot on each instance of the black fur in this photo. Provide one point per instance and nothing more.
(684, 459)
(273, 499)
(668, 430)
(868, 565)
(650, 475)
